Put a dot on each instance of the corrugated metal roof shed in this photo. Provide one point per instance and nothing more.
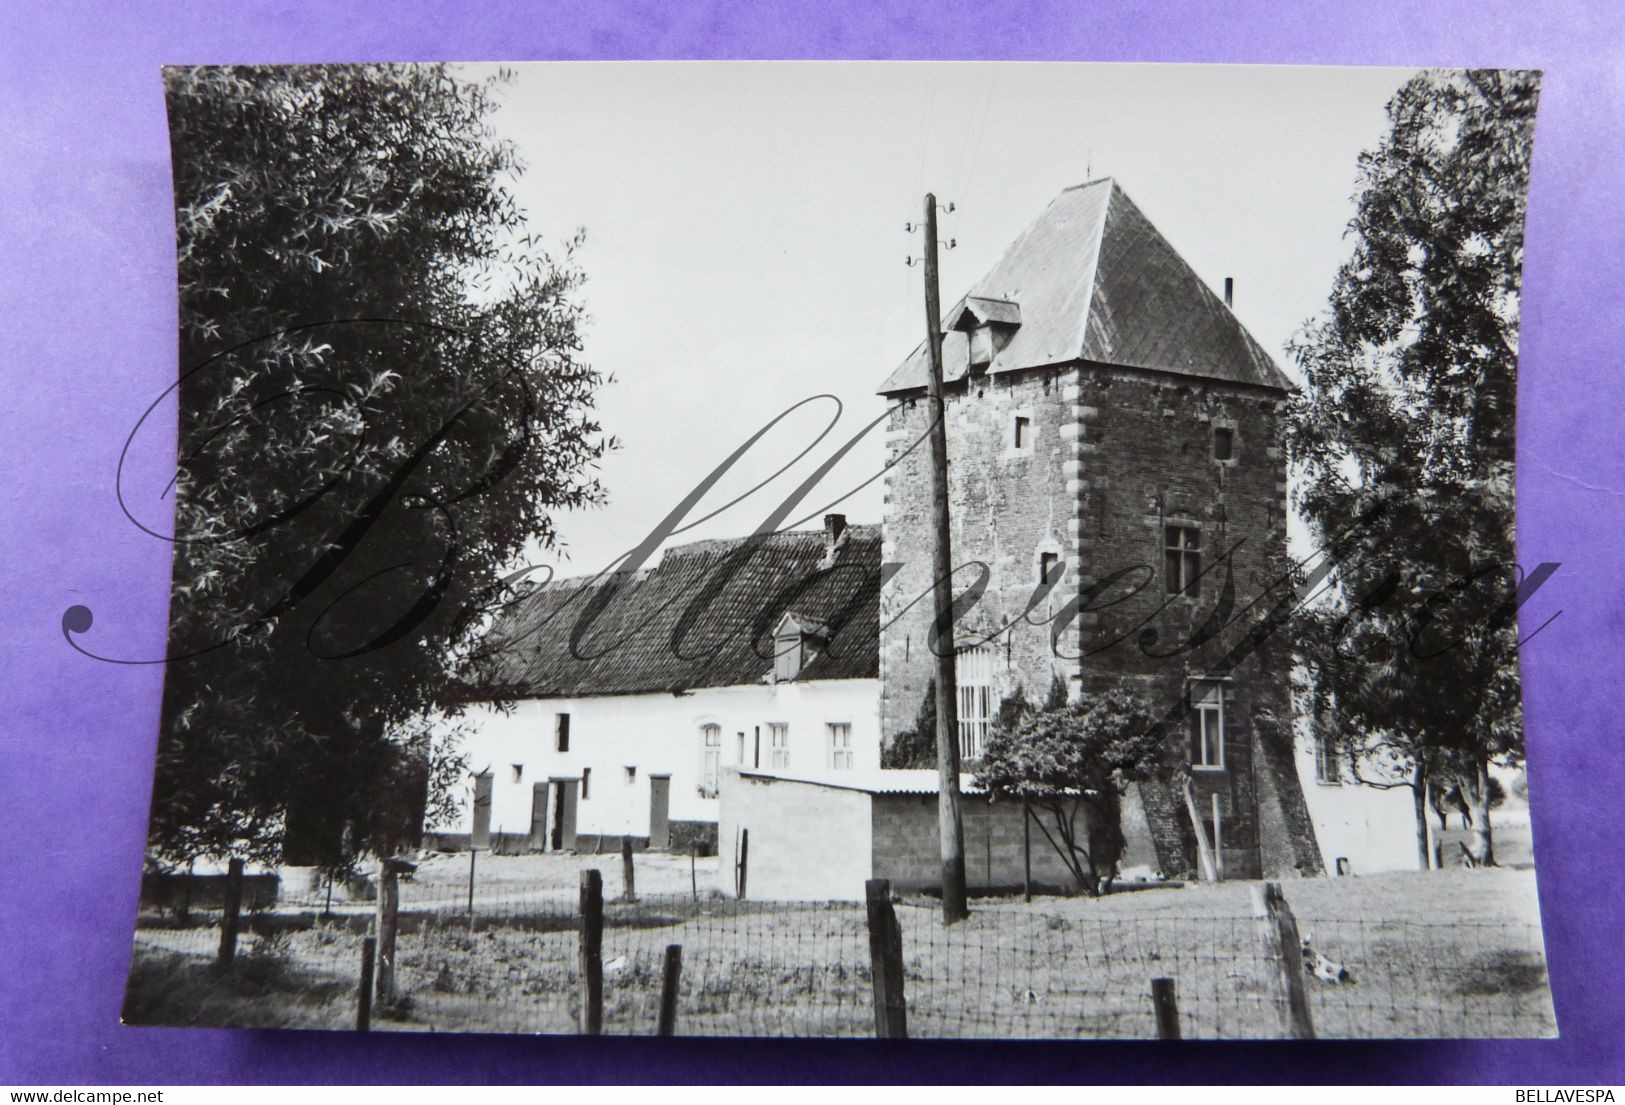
(870, 780)
(1094, 280)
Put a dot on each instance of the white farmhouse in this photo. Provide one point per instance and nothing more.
(628, 695)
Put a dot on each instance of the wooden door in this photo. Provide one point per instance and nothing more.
(660, 811)
(538, 817)
(564, 814)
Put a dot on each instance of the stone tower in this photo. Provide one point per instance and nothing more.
(1115, 464)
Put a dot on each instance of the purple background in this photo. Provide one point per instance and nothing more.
(87, 316)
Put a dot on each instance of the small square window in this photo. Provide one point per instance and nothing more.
(1224, 443)
(518, 773)
(561, 732)
(586, 781)
(631, 773)
(1049, 568)
(1024, 432)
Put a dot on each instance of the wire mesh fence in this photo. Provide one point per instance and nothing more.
(512, 962)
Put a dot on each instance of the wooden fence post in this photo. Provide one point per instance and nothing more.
(592, 953)
(184, 913)
(629, 891)
(669, 978)
(472, 852)
(744, 860)
(886, 962)
(1167, 1008)
(1281, 948)
(693, 877)
(1026, 851)
(363, 1008)
(389, 903)
(234, 908)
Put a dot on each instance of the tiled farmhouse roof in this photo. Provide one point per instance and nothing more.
(704, 616)
(1093, 280)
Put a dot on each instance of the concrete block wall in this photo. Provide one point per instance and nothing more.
(906, 851)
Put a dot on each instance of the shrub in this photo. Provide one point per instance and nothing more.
(1076, 761)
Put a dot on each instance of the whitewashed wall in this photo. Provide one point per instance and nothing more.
(1374, 829)
(655, 734)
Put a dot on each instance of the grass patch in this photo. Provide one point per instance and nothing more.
(259, 990)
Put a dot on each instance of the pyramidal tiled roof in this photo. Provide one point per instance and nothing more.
(704, 616)
(1093, 280)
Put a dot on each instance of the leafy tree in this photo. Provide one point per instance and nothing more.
(916, 747)
(1402, 441)
(1013, 710)
(1072, 764)
(380, 403)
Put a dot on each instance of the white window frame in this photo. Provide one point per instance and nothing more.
(778, 743)
(710, 759)
(840, 745)
(1183, 542)
(1207, 740)
(973, 673)
(1328, 763)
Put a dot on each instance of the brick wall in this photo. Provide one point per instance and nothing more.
(1115, 456)
(1149, 462)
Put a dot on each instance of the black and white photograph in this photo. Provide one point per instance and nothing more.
(785, 549)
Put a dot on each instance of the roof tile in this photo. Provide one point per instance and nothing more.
(703, 617)
(1094, 280)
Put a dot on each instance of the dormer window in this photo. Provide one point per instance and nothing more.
(987, 325)
(796, 643)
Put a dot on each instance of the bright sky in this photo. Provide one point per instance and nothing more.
(746, 248)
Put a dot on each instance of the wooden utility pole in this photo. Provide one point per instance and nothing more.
(949, 824)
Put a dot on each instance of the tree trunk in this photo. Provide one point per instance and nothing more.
(1483, 842)
(1419, 799)
(1106, 841)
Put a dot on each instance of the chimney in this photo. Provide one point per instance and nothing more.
(1229, 290)
(834, 536)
